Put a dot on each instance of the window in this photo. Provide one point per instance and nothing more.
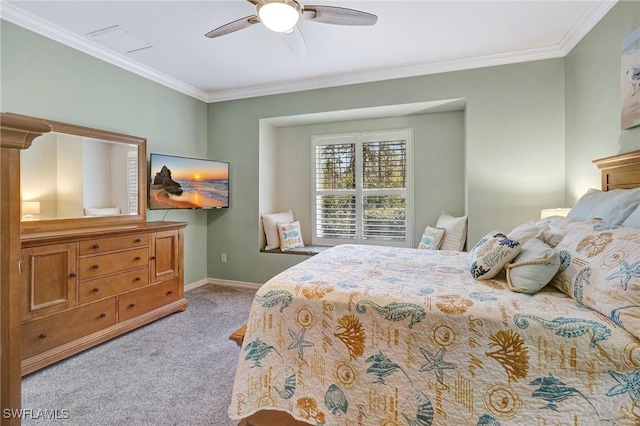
(132, 181)
(362, 188)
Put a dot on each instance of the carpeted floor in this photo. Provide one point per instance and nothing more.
(176, 371)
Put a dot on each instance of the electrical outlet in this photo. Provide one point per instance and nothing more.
(223, 257)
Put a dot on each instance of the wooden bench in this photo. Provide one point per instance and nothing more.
(306, 250)
(238, 335)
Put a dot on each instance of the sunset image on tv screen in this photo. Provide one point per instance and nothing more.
(188, 183)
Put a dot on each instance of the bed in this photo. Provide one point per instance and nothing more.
(370, 335)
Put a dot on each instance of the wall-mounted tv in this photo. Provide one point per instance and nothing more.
(187, 183)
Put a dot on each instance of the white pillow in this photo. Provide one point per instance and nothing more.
(269, 221)
(106, 211)
(431, 238)
(611, 206)
(526, 231)
(634, 219)
(456, 231)
(289, 235)
(533, 268)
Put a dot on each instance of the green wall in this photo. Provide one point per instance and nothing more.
(514, 141)
(46, 79)
(593, 78)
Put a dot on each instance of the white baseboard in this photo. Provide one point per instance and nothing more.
(196, 284)
(222, 283)
(231, 283)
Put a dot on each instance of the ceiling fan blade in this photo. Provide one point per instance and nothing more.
(295, 41)
(338, 15)
(233, 26)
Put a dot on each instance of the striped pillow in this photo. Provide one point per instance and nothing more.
(533, 268)
(456, 231)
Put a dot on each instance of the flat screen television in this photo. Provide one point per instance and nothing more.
(187, 183)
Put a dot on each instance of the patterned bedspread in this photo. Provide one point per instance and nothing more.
(368, 335)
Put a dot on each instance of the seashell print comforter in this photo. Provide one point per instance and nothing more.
(369, 335)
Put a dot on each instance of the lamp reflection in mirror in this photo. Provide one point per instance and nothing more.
(279, 16)
(30, 209)
(554, 212)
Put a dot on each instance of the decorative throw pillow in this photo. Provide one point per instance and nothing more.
(491, 253)
(533, 268)
(557, 224)
(269, 221)
(634, 219)
(290, 235)
(456, 231)
(105, 211)
(431, 238)
(611, 206)
(600, 268)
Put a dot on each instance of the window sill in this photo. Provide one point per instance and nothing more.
(306, 251)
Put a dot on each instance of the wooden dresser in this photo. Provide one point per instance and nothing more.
(81, 287)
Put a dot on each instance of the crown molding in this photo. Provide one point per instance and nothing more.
(26, 20)
(389, 74)
(587, 21)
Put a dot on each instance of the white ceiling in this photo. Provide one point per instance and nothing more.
(410, 38)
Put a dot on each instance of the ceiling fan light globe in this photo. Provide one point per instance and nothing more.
(280, 17)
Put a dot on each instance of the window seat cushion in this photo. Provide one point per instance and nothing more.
(306, 250)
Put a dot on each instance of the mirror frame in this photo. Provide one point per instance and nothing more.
(93, 221)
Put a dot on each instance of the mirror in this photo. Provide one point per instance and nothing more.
(77, 176)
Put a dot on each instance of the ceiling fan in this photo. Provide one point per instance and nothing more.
(282, 16)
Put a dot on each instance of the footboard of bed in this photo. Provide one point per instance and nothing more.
(271, 418)
(238, 335)
(264, 417)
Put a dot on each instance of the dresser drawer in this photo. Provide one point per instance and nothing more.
(95, 266)
(47, 333)
(147, 299)
(102, 245)
(99, 288)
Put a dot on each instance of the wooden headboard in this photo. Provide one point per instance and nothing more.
(620, 171)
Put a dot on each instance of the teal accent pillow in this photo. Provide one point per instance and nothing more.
(489, 256)
(431, 238)
(290, 235)
(533, 268)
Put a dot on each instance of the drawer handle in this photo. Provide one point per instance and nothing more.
(96, 266)
(132, 305)
(73, 275)
(96, 246)
(153, 258)
(138, 279)
(170, 292)
(138, 258)
(103, 315)
(95, 290)
(43, 336)
(138, 240)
